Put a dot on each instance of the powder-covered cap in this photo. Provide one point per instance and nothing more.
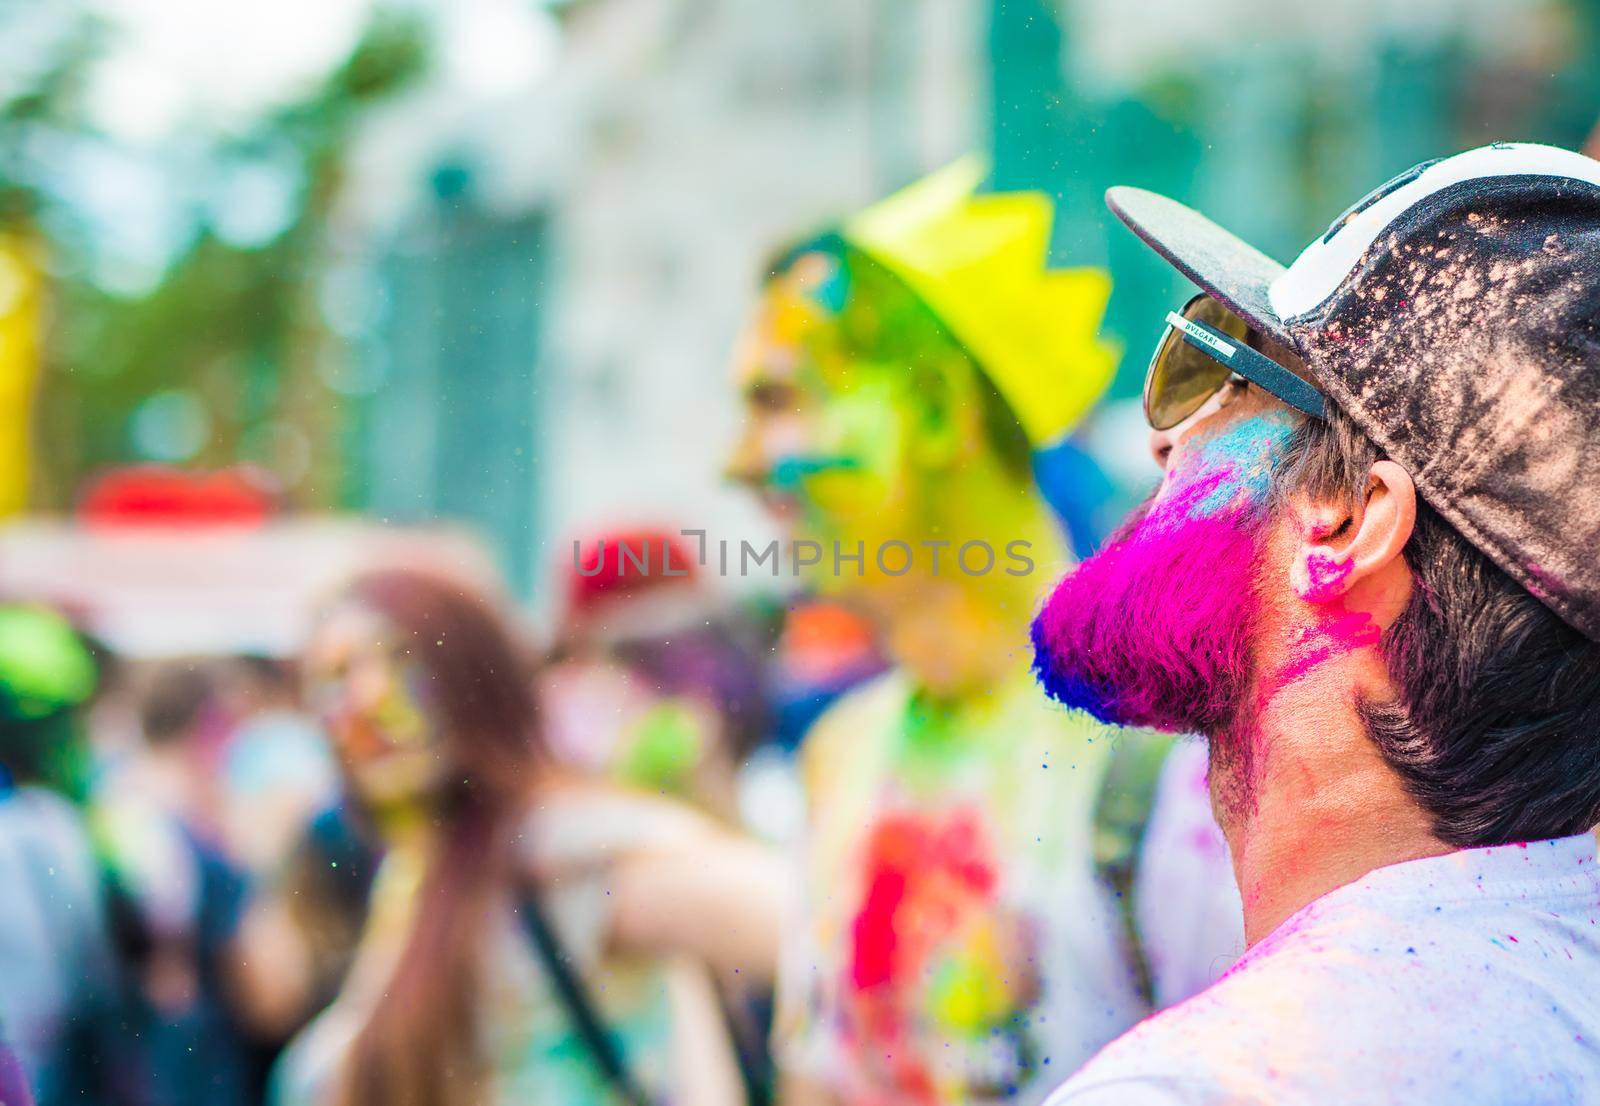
(1454, 314)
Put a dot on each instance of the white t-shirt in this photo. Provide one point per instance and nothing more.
(1472, 977)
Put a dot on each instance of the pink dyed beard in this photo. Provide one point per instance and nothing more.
(1155, 630)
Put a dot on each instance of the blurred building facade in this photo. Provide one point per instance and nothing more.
(676, 142)
(593, 289)
(485, 261)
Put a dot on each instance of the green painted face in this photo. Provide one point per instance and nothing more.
(846, 378)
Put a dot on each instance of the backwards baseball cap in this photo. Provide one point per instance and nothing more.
(1454, 315)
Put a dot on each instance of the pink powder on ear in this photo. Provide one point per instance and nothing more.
(1326, 575)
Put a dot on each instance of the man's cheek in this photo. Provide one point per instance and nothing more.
(1231, 470)
(862, 424)
(784, 442)
(852, 465)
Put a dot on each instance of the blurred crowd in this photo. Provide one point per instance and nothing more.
(204, 853)
(665, 845)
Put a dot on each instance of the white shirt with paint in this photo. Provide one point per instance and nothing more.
(1469, 978)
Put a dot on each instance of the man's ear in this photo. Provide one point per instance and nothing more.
(1341, 545)
(945, 412)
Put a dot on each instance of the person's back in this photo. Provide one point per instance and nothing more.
(1433, 980)
(55, 959)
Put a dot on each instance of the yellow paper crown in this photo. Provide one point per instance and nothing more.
(979, 261)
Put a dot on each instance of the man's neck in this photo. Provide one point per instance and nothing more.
(1320, 808)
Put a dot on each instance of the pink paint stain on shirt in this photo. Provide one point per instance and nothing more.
(932, 870)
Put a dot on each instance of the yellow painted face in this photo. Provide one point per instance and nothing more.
(371, 695)
(832, 371)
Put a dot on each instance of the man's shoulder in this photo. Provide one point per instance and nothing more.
(1236, 1042)
(1350, 997)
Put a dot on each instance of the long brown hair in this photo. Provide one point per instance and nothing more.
(421, 1045)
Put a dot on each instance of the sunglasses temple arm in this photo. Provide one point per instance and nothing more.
(1260, 369)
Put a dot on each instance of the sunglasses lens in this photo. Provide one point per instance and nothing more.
(1181, 377)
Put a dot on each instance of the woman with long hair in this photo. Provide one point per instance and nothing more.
(531, 938)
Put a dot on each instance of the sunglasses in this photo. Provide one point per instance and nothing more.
(1204, 348)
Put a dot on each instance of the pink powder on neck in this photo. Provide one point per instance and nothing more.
(1340, 633)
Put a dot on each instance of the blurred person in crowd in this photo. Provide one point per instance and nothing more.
(59, 985)
(277, 771)
(196, 821)
(285, 825)
(1369, 579)
(654, 684)
(824, 650)
(310, 857)
(279, 797)
(533, 937)
(300, 931)
(651, 683)
(968, 925)
(177, 893)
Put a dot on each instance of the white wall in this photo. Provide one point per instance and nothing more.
(710, 133)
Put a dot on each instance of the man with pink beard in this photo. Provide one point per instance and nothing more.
(1369, 578)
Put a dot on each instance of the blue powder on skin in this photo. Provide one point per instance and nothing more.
(789, 473)
(1246, 454)
(833, 293)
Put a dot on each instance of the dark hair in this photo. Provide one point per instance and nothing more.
(420, 1046)
(721, 661)
(901, 330)
(176, 701)
(1497, 700)
(270, 674)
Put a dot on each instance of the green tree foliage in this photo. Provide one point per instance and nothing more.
(235, 326)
